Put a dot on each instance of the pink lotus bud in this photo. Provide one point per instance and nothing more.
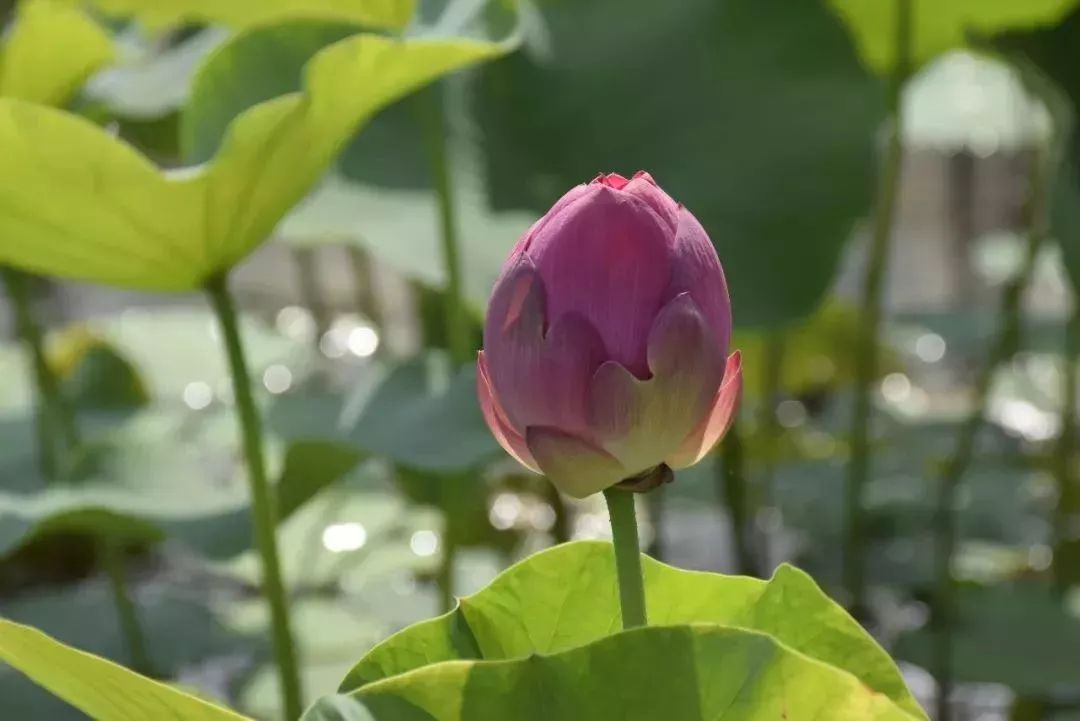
(605, 348)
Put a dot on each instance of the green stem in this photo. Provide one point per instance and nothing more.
(433, 124)
(111, 555)
(870, 304)
(731, 487)
(52, 410)
(1067, 548)
(262, 497)
(945, 529)
(624, 534)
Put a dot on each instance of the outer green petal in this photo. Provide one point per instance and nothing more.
(641, 422)
(717, 422)
(575, 466)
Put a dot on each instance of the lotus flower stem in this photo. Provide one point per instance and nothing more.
(870, 305)
(1003, 347)
(731, 479)
(1067, 549)
(54, 412)
(433, 123)
(624, 534)
(262, 499)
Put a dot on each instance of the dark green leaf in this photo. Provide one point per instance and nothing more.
(756, 115)
(1021, 635)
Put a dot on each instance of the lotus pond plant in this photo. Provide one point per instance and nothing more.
(605, 365)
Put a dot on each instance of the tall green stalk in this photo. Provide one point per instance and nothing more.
(111, 555)
(624, 534)
(264, 513)
(732, 487)
(1002, 348)
(870, 306)
(433, 126)
(56, 415)
(1067, 511)
(433, 123)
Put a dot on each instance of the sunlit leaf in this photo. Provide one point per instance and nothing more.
(99, 688)
(691, 673)
(939, 26)
(32, 66)
(181, 631)
(126, 223)
(380, 196)
(531, 609)
(245, 13)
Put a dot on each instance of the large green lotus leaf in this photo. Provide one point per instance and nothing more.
(99, 688)
(390, 14)
(567, 596)
(381, 197)
(680, 673)
(32, 69)
(127, 223)
(756, 115)
(939, 25)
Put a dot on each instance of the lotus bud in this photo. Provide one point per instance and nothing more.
(605, 354)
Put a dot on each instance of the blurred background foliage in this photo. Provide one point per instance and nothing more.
(772, 121)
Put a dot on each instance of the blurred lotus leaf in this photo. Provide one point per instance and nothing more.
(988, 648)
(756, 115)
(940, 26)
(31, 69)
(388, 14)
(129, 224)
